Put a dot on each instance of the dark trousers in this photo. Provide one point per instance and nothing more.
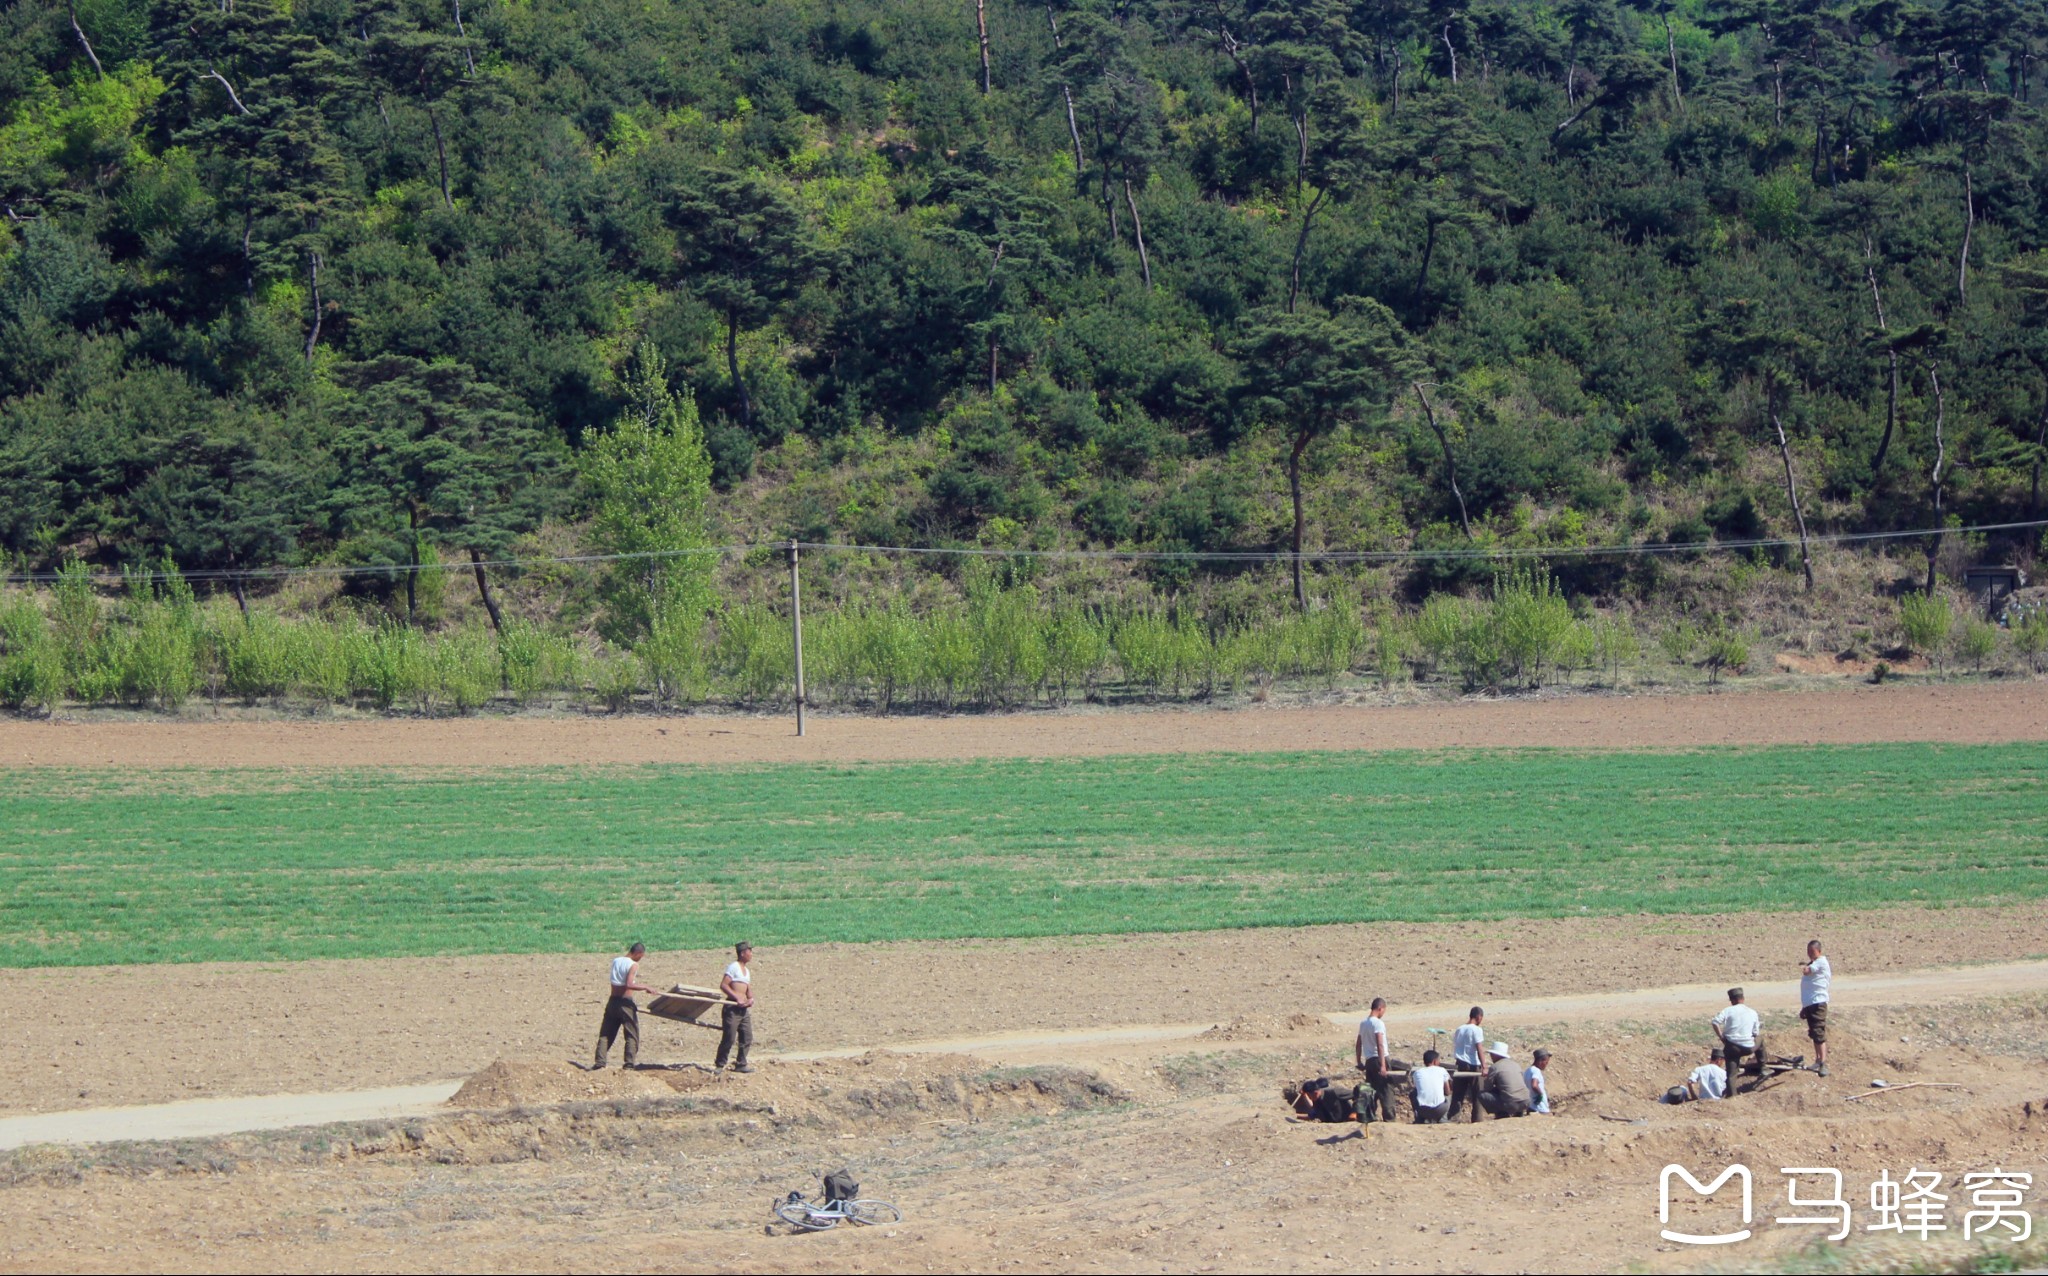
(1733, 1057)
(1464, 1090)
(1382, 1084)
(738, 1022)
(1432, 1116)
(621, 1014)
(1501, 1105)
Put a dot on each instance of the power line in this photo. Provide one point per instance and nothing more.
(1469, 553)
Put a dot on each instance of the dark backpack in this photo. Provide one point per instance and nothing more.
(839, 1186)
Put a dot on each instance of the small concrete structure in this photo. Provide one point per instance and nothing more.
(1992, 585)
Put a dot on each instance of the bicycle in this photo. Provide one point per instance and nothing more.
(817, 1216)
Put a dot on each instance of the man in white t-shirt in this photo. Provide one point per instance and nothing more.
(1736, 1026)
(1430, 1087)
(1378, 1065)
(621, 1012)
(1539, 1085)
(1468, 1062)
(1814, 977)
(737, 1018)
(1710, 1079)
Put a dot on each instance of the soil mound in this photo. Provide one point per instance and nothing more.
(1269, 1028)
(512, 1083)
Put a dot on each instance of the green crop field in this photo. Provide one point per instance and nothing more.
(185, 866)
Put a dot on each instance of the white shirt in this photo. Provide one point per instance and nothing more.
(1432, 1086)
(622, 971)
(1534, 1076)
(737, 973)
(1369, 1034)
(1466, 1043)
(1710, 1080)
(1813, 986)
(1738, 1025)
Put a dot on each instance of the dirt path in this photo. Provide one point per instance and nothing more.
(1854, 714)
(1127, 1045)
(83, 1038)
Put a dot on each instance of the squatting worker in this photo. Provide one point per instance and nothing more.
(1373, 1058)
(1539, 1084)
(1504, 1092)
(1736, 1026)
(1710, 1079)
(1430, 1087)
(1814, 977)
(738, 1018)
(1468, 1048)
(621, 1012)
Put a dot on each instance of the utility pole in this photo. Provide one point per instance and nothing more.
(796, 631)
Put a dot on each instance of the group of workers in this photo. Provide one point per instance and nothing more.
(1738, 1033)
(736, 1011)
(1483, 1076)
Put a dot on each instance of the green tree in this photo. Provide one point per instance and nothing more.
(649, 478)
(1309, 375)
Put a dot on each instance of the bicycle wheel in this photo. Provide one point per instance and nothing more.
(803, 1215)
(869, 1213)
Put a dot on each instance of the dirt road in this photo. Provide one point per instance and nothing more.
(1853, 714)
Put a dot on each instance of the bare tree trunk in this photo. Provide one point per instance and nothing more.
(1138, 233)
(483, 589)
(1969, 227)
(2040, 445)
(241, 597)
(981, 28)
(732, 363)
(1778, 92)
(467, 59)
(993, 367)
(1301, 246)
(313, 278)
(1934, 482)
(1671, 50)
(97, 69)
(1300, 522)
(1792, 494)
(441, 153)
(1450, 462)
(1450, 49)
(412, 564)
(233, 97)
(1067, 92)
(1891, 403)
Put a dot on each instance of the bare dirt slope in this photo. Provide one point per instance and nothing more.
(113, 1036)
(1959, 713)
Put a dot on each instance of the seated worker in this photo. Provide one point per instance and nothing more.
(1539, 1084)
(1503, 1091)
(1737, 1026)
(1430, 1087)
(1708, 1081)
(1319, 1100)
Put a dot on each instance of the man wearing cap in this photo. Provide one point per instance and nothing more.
(1736, 1026)
(621, 1012)
(737, 1017)
(1710, 1079)
(1503, 1092)
(1814, 977)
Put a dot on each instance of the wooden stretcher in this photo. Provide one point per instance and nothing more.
(685, 1004)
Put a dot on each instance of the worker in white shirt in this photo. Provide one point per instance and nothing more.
(737, 1017)
(1814, 977)
(1468, 1063)
(1736, 1026)
(1374, 1060)
(1430, 1088)
(621, 1012)
(1539, 1084)
(1710, 1079)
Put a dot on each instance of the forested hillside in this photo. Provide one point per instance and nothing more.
(383, 282)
